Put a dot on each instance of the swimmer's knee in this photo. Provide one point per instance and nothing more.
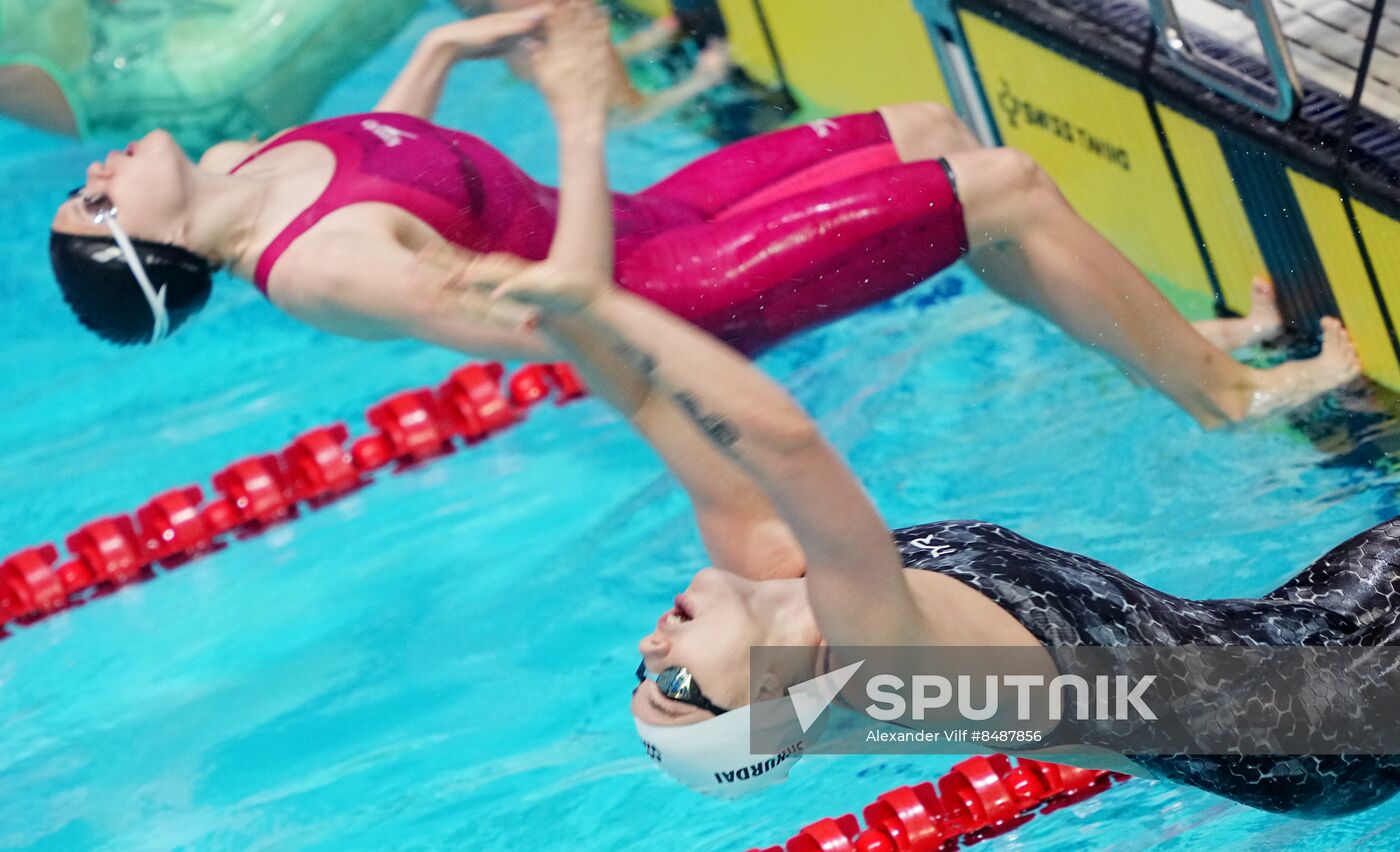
(1004, 193)
(1017, 170)
(1022, 180)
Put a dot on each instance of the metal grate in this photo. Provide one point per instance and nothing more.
(1325, 38)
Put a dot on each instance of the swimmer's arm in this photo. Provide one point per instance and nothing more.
(417, 90)
(711, 69)
(583, 235)
(742, 531)
(855, 576)
(571, 72)
(653, 36)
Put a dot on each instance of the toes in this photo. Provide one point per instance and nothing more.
(1336, 339)
(1333, 330)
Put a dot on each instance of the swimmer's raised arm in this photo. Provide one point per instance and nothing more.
(712, 67)
(418, 88)
(570, 68)
(742, 531)
(855, 577)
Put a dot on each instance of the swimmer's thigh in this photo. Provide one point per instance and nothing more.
(720, 179)
(757, 277)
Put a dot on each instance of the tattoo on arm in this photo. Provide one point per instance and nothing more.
(639, 360)
(719, 430)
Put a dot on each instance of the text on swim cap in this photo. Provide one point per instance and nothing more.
(757, 769)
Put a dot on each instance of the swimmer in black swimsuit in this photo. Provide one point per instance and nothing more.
(802, 558)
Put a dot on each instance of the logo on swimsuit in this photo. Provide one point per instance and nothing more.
(929, 544)
(824, 127)
(390, 136)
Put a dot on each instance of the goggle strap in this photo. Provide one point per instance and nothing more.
(160, 327)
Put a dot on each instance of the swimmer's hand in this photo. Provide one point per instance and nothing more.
(712, 64)
(575, 66)
(551, 288)
(461, 283)
(503, 289)
(490, 35)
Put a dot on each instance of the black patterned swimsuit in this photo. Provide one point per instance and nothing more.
(1346, 598)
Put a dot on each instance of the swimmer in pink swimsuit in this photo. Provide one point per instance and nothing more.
(345, 223)
(759, 240)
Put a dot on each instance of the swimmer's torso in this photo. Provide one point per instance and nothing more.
(453, 183)
(752, 242)
(396, 177)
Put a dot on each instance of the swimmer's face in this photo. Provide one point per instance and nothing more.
(148, 182)
(709, 631)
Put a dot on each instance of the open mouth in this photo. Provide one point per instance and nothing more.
(679, 614)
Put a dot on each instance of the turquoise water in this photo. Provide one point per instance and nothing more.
(443, 660)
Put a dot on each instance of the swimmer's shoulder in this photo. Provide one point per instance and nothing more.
(224, 156)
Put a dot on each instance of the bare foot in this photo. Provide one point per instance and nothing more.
(1297, 382)
(1263, 323)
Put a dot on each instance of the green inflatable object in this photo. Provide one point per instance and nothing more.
(205, 70)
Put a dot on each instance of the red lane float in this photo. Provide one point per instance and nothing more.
(109, 553)
(979, 798)
(318, 465)
(472, 402)
(253, 493)
(29, 589)
(256, 489)
(172, 526)
(413, 426)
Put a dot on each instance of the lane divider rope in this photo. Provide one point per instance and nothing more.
(980, 797)
(977, 799)
(253, 493)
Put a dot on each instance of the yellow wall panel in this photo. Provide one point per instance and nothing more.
(1382, 236)
(654, 8)
(1230, 240)
(1096, 138)
(1341, 259)
(746, 41)
(843, 56)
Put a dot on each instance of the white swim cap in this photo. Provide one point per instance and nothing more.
(713, 757)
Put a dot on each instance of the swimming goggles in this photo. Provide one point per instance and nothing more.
(104, 212)
(678, 684)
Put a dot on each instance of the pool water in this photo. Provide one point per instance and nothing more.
(443, 660)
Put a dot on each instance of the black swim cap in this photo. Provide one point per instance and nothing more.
(103, 292)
